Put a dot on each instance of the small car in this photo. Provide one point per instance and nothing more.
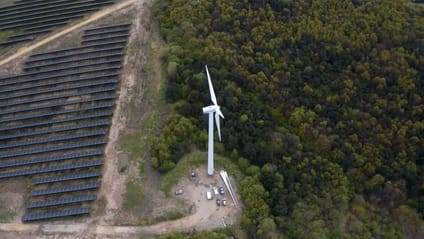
(193, 174)
(224, 202)
(218, 202)
(215, 190)
(209, 195)
(179, 191)
(221, 190)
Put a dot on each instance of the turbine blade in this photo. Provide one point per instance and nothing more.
(217, 125)
(220, 113)
(213, 97)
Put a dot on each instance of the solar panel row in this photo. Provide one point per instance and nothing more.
(97, 29)
(58, 104)
(51, 169)
(29, 33)
(97, 56)
(52, 159)
(58, 82)
(62, 201)
(104, 38)
(30, 60)
(86, 35)
(67, 177)
(57, 121)
(54, 97)
(55, 214)
(68, 68)
(53, 148)
(60, 112)
(23, 11)
(65, 189)
(55, 130)
(29, 25)
(6, 43)
(77, 48)
(67, 9)
(45, 16)
(53, 139)
(25, 80)
(22, 5)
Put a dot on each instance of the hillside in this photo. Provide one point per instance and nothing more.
(323, 109)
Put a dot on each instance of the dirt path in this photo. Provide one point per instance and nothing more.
(92, 18)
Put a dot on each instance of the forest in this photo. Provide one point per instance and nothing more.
(323, 105)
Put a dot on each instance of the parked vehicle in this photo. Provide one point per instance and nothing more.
(224, 202)
(221, 190)
(218, 202)
(215, 190)
(179, 191)
(209, 194)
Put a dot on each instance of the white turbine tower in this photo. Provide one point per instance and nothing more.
(211, 110)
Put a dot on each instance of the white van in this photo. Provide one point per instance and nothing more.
(209, 195)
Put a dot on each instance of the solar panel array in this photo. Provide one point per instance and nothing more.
(56, 214)
(62, 201)
(29, 19)
(55, 117)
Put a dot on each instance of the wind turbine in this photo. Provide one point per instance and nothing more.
(211, 110)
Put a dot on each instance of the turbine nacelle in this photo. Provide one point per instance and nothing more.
(211, 108)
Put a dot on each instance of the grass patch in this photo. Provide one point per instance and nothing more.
(7, 216)
(133, 198)
(137, 144)
(4, 35)
(193, 160)
(173, 215)
(7, 3)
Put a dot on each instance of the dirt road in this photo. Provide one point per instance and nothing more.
(24, 50)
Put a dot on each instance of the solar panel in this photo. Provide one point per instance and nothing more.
(86, 35)
(30, 60)
(62, 201)
(32, 33)
(68, 119)
(50, 169)
(60, 112)
(67, 177)
(107, 27)
(55, 214)
(27, 25)
(84, 92)
(69, 68)
(53, 76)
(6, 43)
(58, 82)
(45, 16)
(52, 159)
(53, 148)
(53, 139)
(79, 101)
(40, 7)
(45, 26)
(40, 13)
(76, 48)
(55, 130)
(104, 38)
(22, 5)
(76, 60)
(65, 189)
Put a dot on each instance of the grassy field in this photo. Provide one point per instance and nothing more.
(191, 161)
(6, 3)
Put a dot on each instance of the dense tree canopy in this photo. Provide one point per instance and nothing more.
(324, 97)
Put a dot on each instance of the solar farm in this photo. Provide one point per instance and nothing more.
(55, 116)
(28, 19)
